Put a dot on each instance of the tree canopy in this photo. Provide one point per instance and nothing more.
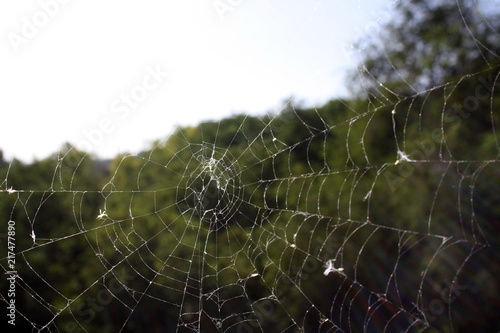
(362, 177)
(427, 44)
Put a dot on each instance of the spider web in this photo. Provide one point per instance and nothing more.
(288, 222)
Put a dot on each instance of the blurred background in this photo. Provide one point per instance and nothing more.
(68, 65)
(199, 166)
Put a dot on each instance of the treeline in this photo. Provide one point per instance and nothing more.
(235, 219)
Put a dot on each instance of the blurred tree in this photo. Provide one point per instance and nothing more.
(428, 43)
(427, 84)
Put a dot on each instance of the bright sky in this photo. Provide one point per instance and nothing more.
(111, 76)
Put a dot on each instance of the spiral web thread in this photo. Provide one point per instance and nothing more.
(238, 237)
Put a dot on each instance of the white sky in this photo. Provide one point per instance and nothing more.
(70, 74)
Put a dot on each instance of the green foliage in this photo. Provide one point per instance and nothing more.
(427, 44)
(308, 185)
